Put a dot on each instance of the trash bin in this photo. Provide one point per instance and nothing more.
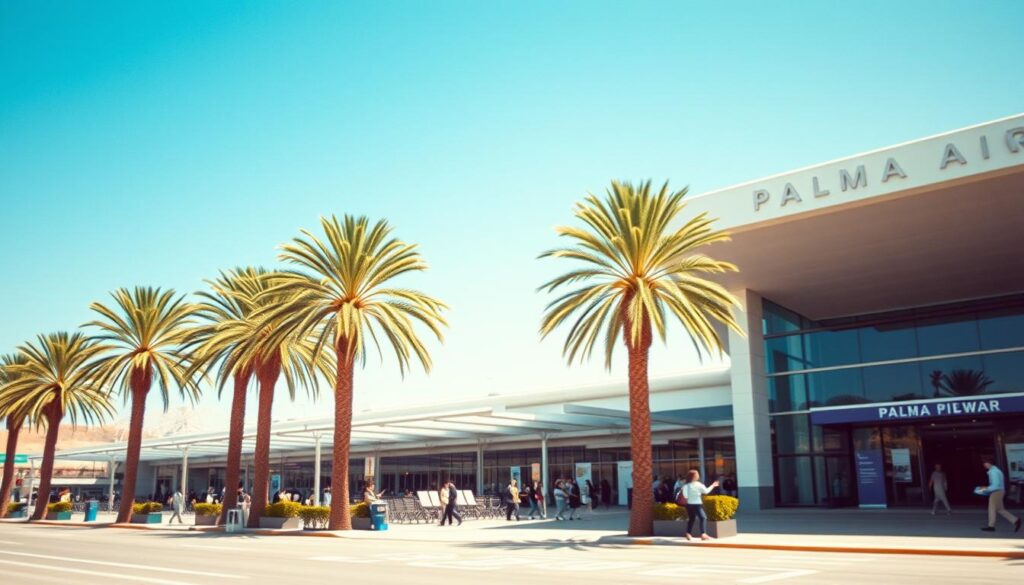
(92, 507)
(234, 523)
(379, 516)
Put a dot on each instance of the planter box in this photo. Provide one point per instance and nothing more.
(22, 513)
(206, 520)
(58, 515)
(722, 529)
(670, 528)
(281, 523)
(360, 524)
(151, 518)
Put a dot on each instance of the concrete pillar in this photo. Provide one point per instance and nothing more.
(31, 484)
(544, 464)
(751, 421)
(110, 491)
(184, 471)
(479, 467)
(316, 470)
(700, 455)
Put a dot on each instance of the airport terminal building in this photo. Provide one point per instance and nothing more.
(883, 308)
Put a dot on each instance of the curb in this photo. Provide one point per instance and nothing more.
(129, 526)
(826, 549)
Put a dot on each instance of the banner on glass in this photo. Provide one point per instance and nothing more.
(870, 479)
(902, 472)
(1015, 461)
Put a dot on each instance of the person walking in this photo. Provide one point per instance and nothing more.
(587, 493)
(938, 484)
(327, 497)
(574, 499)
(533, 496)
(513, 501)
(178, 505)
(692, 496)
(996, 489)
(542, 497)
(452, 509)
(442, 494)
(559, 500)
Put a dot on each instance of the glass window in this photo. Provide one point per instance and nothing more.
(951, 334)
(794, 481)
(1006, 370)
(792, 434)
(960, 376)
(832, 348)
(782, 354)
(787, 393)
(889, 341)
(834, 439)
(1002, 329)
(779, 320)
(893, 382)
(835, 387)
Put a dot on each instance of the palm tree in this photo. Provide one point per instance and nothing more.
(343, 298)
(54, 382)
(218, 341)
(297, 356)
(966, 382)
(14, 423)
(145, 333)
(637, 269)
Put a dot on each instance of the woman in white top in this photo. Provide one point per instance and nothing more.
(692, 494)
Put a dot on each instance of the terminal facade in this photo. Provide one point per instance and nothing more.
(883, 315)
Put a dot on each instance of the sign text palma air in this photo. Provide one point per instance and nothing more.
(858, 178)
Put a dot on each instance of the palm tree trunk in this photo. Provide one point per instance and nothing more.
(54, 414)
(236, 429)
(641, 517)
(267, 375)
(341, 518)
(139, 384)
(13, 430)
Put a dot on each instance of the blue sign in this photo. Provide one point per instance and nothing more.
(870, 478)
(18, 458)
(920, 409)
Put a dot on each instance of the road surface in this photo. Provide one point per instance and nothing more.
(50, 554)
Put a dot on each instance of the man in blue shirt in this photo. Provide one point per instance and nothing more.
(995, 490)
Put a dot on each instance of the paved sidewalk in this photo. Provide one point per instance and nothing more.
(844, 530)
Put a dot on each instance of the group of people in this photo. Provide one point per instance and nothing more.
(570, 498)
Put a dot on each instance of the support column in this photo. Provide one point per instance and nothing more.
(479, 467)
(544, 465)
(31, 484)
(184, 471)
(316, 470)
(110, 491)
(751, 420)
(700, 455)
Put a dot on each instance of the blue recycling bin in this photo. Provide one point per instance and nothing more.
(379, 516)
(92, 507)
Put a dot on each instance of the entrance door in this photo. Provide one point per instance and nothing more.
(960, 449)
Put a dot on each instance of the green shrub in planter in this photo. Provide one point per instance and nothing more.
(360, 510)
(669, 512)
(203, 509)
(315, 517)
(58, 507)
(15, 507)
(720, 508)
(283, 509)
(147, 508)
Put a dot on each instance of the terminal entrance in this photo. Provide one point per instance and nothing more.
(960, 449)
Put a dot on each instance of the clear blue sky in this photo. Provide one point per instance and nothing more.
(154, 144)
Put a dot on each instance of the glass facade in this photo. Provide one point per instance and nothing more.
(952, 351)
